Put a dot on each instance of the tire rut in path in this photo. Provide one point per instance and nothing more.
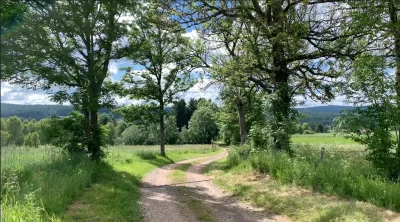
(160, 200)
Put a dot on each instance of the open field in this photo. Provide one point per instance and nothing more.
(322, 138)
(42, 183)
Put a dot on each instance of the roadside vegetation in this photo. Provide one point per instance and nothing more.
(44, 187)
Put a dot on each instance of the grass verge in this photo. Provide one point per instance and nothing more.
(40, 184)
(298, 203)
(114, 196)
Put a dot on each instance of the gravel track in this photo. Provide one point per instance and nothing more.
(160, 200)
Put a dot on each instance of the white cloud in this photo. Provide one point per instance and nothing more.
(16, 94)
(199, 90)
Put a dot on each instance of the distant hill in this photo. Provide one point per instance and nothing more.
(324, 109)
(322, 114)
(37, 111)
(317, 114)
(42, 111)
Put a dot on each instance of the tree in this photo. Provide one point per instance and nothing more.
(112, 133)
(181, 114)
(373, 91)
(66, 133)
(35, 139)
(25, 129)
(305, 127)
(231, 69)
(69, 44)
(294, 48)
(164, 54)
(104, 119)
(381, 19)
(121, 126)
(3, 124)
(320, 128)
(202, 126)
(14, 128)
(4, 138)
(32, 127)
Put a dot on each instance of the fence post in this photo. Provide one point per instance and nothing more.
(322, 154)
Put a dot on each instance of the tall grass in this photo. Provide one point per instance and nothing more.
(344, 174)
(39, 184)
(42, 185)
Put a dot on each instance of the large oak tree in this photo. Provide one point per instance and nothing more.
(69, 45)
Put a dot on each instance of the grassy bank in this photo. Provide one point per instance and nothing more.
(295, 185)
(41, 186)
(298, 203)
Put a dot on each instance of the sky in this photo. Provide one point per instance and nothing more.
(17, 94)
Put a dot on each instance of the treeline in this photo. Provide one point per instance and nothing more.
(39, 112)
(200, 128)
(192, 123)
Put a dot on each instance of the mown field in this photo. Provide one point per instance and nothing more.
(43, 184)
(342, 187)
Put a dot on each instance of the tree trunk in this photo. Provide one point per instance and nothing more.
(242, 122)
(393, 12)
(96, 136)
(162, 129)
(281, 105)
(88, 130)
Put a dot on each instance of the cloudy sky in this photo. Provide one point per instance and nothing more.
(16, 94)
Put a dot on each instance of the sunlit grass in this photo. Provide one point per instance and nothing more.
(42, 182)
(118, 186)
(322, 139)
(287, 199)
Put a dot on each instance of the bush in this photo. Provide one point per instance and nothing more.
(308, 132)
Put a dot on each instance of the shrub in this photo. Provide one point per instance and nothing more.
(308, 132)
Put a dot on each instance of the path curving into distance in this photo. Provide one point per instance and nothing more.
(161, 200)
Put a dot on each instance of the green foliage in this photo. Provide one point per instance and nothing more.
(371, 125)
(66, 132)
(11, 13)
(308, 132)
(149, 133)
(111, 135)
(202, 126)
(32, 140)
(14, 128)
(4, 138)
(104, 119)
(181, 114)
(121, 126)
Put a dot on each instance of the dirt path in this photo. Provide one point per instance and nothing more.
(162, 201)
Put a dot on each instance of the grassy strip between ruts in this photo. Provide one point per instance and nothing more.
(297, 203)
(201, 212)
(114, 195)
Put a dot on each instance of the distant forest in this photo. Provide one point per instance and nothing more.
(37, 112)
(318, 115)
